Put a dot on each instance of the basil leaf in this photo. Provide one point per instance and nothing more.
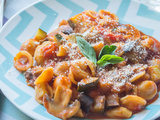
(86, 49)
(109, 59)
(107, 50)
(58, 36)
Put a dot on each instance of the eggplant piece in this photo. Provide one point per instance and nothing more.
(135, 52)
(86, 102)
(87, 84)
(99, 104)
(67, 31)
(112, 100)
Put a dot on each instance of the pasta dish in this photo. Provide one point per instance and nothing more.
(92, 66)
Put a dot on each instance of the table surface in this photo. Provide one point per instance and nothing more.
(7, 110)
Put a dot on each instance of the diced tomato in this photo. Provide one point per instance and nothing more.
(50, 51)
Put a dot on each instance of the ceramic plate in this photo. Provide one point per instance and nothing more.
(46, 15)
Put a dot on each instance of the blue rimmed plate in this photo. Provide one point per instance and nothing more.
(46, 15)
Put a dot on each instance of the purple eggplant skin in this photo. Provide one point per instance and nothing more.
(86, 102)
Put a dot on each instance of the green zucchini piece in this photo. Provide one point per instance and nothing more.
(40, 35)
(86, 102)
(88, 83)
(58, 37)
(71, 24)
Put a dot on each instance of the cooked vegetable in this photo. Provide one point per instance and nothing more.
(75, 20)
(120, 112)
(40, 35)
(41, 89)
(109, 59)
(107, 50)
(137, 76)
(62, 95)
(86, 49)
(72, 38)
(85, 101)
(112, 100)
(99, 104)
(32, 74)
(89, 52)
(58, 110)
(67, 31)
(45, 76)
(57, 39)
(23, 61)
(88, 83)
(71, 24)
(135, 51)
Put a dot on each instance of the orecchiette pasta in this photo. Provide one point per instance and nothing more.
(120, 112)
(147, 89)
(45, 51)
(29, 46)
(23, 61)
(107, 15)
(133, 102)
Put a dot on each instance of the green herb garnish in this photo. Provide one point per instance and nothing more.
(105, 57)
(109, 59)
(107, 50)
(86, 49)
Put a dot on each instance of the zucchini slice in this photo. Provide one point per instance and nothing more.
(88, 83)
(57, 39)
(40, 35)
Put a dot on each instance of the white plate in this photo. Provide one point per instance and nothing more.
(46, 15)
